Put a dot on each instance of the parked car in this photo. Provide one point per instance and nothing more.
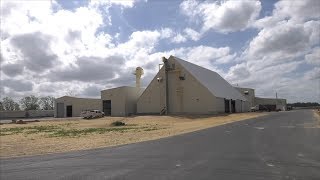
(254, 108)
(89, 114)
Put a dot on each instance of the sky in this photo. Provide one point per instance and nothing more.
(78, 48)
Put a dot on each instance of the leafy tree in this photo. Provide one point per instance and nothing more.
(30, 103)
(8, 104)
(304, 104)
(16, 106)
(47, 102)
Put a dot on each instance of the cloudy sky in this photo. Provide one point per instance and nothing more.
(62, 47)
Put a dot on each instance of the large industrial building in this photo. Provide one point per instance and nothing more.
(179, 87)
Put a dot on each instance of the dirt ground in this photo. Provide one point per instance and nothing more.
(76, 134)
(317, 114)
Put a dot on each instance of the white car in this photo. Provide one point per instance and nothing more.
(254, 108)
(88, 114)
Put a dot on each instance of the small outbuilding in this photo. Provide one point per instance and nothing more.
(181, 87)
(120, 101)
(271, 103)
(67, 106)
(249, 94)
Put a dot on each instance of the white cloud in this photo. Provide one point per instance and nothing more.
(313, 58)
(122, 3)
(238, 72)
(284, 36)
(222, 16)
(187, 34)
(206, 55)
(12, 69)
(298, 10)
(178, 38)
(314, 74)
(92, 91)
(277, 78)
(190, 8)
(192, 34)
(285, 40)
(71, 31)
(92, 59)
(166, 33)
(267, 75)
(313, 29)
(42, 41)
(17, 85)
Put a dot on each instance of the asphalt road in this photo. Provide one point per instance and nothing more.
(281, 145)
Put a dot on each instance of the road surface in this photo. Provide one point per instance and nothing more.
(283, 145)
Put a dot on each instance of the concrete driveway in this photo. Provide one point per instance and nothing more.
(283, 145)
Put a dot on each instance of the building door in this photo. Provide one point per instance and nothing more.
(106, 106)
(226, 106)
(69, 111)
(60, 110)
(233, 106)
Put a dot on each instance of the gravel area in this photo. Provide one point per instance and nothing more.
(51, 136)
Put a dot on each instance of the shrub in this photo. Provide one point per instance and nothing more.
(118, 123)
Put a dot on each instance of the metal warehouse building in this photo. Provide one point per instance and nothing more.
(67, 106)
(121, 101)
(181, 87)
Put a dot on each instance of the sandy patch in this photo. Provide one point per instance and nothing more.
(77, 134)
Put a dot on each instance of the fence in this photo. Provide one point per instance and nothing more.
(26, 114)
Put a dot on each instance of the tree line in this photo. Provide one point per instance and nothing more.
(303, 104)
(27, 103)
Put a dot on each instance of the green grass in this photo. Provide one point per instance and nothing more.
(80, 132)
(59, 131)
(9, 131)
(151, 129)
(28, 130)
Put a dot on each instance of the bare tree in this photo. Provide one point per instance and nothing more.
(8, 104)
(71, 93)
(30, 103)
(47, 102)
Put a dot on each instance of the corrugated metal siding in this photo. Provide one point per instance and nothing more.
(212, 80)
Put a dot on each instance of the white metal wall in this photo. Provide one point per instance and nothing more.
(123, 99)
(78, 105)
(187, 96)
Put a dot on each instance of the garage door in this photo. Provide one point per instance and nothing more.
(69, 111)
(106, 107)
(60, 110)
